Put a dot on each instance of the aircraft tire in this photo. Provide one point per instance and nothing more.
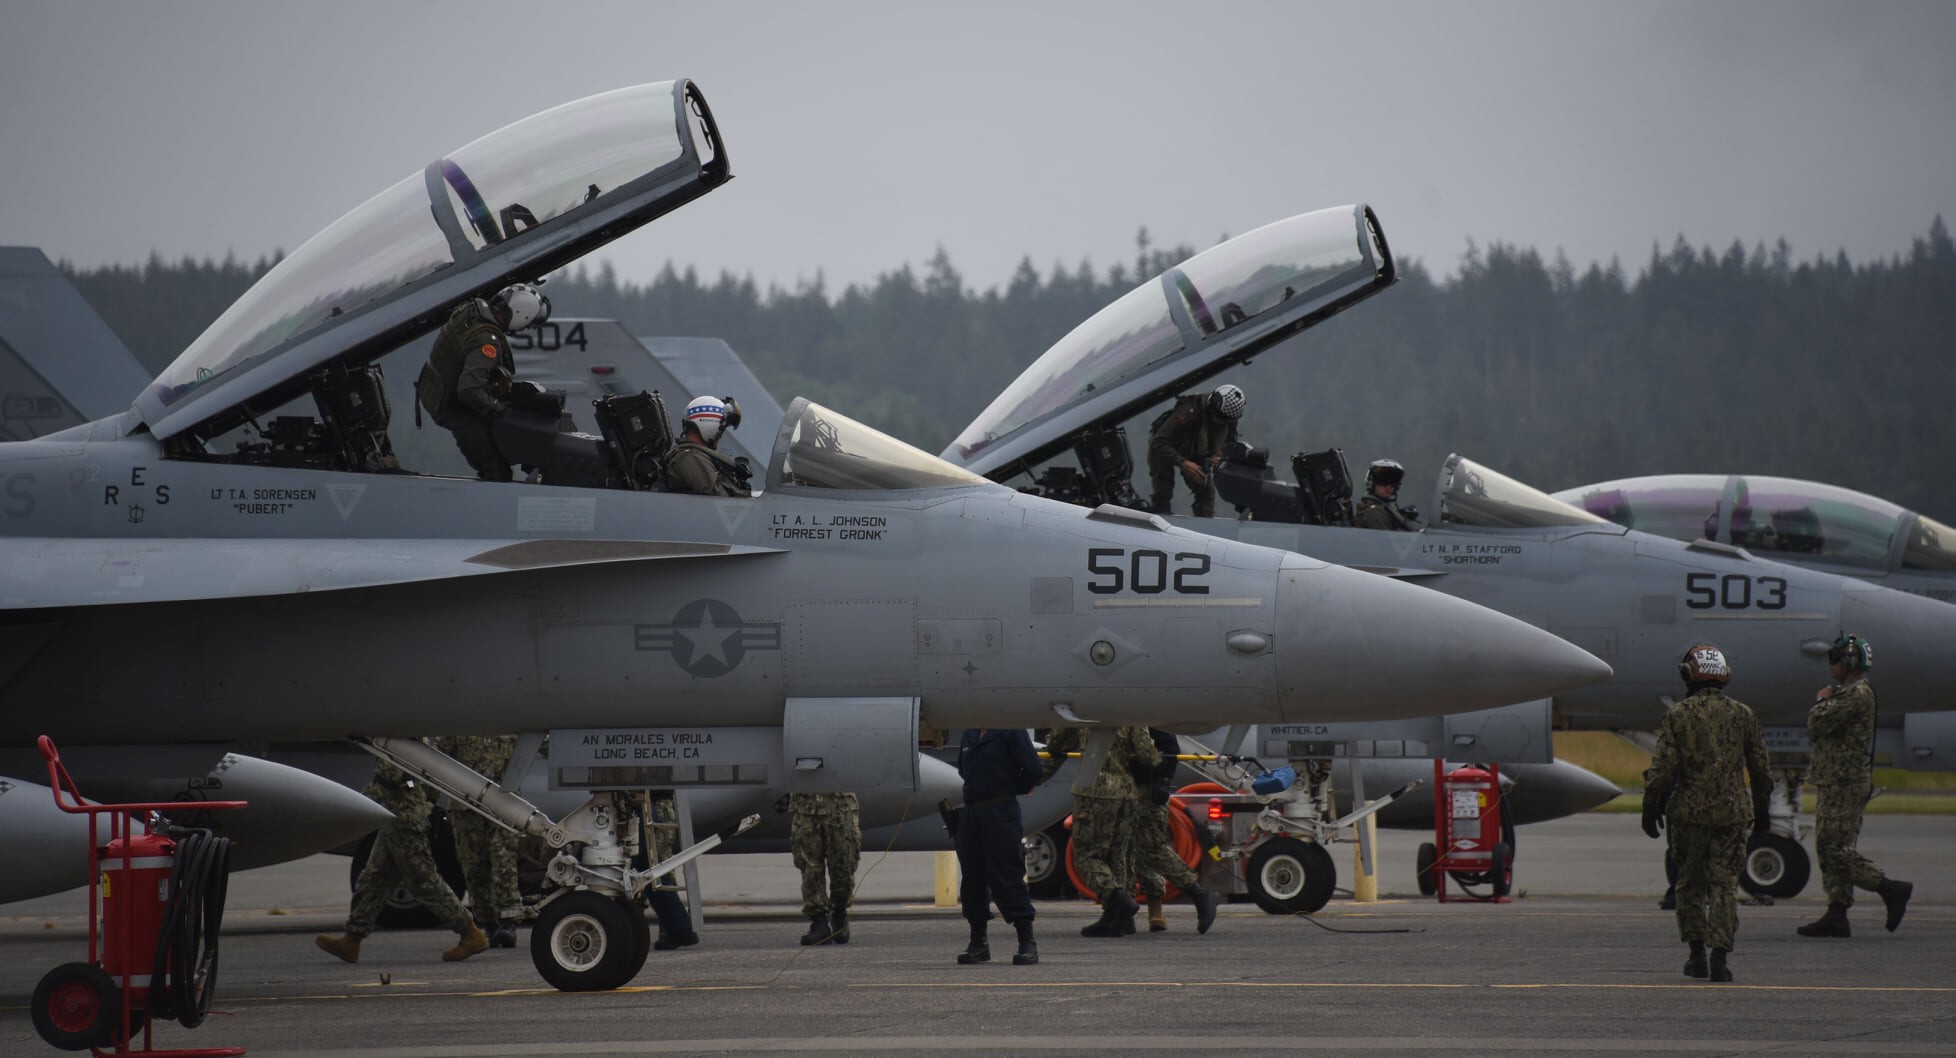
(403, 911)
(641, 934)
(1500, 868)
(1424, 861)
(76, 1006)
(1046, 863)
(584, 942)
(1776, 866)
(1288, 877)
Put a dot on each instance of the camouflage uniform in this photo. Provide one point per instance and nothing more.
(1156, 863)
(1105, 805)
(826, 838)
(401, 856)
(1695, 776)
(1375, 513)
(695, 468)
(1842, 728)
(463, 385)
(486, 850)
(1187, 431)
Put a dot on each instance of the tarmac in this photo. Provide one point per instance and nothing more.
(1579, 962)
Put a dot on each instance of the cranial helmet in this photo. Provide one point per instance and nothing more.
(1227, 402)
(1851, 652)
(1384, 472)
(709, 415)
(522, 305)
(1704, 663)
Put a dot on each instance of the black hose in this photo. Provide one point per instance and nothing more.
(184, 978)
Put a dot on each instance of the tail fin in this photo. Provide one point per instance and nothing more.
(60, 364)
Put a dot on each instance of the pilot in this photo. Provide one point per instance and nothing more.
(468, 374)
(1709, 748)
(1155, 861)
(826, 839)
(1379, 507)
(1841, 727)
(1190, 437)
(695, 463)
(401, 857)
(1105, 802)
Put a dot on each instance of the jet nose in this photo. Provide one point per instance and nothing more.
(1359, 646)
(1914, 668)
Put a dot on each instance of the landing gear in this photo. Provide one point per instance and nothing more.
(1776, 866)
(1287, 876)
(586, 942)
(1046, 862)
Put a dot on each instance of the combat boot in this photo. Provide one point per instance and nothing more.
(1127, 909)
(1719, 971)
(818, 930)
(979, 950)
(472, 941)
(839, 923)
(1694, 964)
(1028, 953)
(1109, 922)
(673, 940)
(1206, 902)
(346, 946)
(1831, 924)
(1156, 920)
(1895, 896)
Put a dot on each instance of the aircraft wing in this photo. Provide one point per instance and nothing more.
(58, 572)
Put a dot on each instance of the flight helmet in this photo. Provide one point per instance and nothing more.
(1384, 472)
(1704, 663)
(710, 416)
(1227, 402)
(1851, 652)
(522, 305)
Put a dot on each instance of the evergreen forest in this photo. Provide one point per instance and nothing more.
(1699, 360)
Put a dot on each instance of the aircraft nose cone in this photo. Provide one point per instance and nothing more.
(1913, 666)
(1359, 646)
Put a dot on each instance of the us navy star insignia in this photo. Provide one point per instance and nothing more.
(707, 638)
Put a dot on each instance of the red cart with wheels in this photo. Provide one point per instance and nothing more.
(1473, 842)
(141, 886)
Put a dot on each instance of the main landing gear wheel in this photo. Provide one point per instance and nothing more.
(1429, 880)
(1287, 876)
(1046, 862)
(1775, 866)
(585, 942)
(76, 1006)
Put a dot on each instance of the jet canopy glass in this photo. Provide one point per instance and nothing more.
(1312, 257)
(1471, 494)
(821, 449)
(1769, 514)
(538, 174)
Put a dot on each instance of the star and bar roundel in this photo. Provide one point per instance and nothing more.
(707, 638)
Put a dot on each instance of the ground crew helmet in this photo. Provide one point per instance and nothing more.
(522, 305)
(1851, 652)
(1704, 663)
(1227, 402)
(709, 416)
(1384, 472)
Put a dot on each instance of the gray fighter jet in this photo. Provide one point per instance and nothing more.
(177, 572)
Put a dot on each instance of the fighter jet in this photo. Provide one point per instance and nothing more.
(218, 563)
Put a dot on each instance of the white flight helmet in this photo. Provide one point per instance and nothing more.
(709, 416)
(524, 305)
(1227, 402)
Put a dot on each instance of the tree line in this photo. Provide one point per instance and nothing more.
(1745, 359)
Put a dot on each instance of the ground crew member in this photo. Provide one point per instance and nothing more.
(1106, 801)
(1709, 747)
(401, 856)
(695, 464)
(675, 921)
(1155, 862)
(826, 838)
(1841, 726)
(486, 850)
(1379, 507)
(998, 766)
(1189, 437)
(468, 374)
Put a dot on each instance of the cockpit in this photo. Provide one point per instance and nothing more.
(1471, 494)
(1778, 515)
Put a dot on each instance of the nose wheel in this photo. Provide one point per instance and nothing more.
(587, 942)
(1776, 866)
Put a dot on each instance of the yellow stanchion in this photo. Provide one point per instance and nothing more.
(947, 879)
(1365, 884)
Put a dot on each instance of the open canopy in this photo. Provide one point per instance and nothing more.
(512, 205)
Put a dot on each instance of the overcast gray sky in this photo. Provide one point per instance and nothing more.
(865, 135)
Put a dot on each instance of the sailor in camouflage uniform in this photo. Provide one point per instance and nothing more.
(826, 839)
(1156, 863)
(1709, 747)
(1841, 726)
(1106, 803)
(401, 856)
(486, 850)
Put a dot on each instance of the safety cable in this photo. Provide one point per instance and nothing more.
(186, 945)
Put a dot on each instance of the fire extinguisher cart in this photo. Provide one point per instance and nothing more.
(135, 882)
(1473, 843)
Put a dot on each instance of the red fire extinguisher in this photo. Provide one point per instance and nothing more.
(134, 900)
(1473, 844)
